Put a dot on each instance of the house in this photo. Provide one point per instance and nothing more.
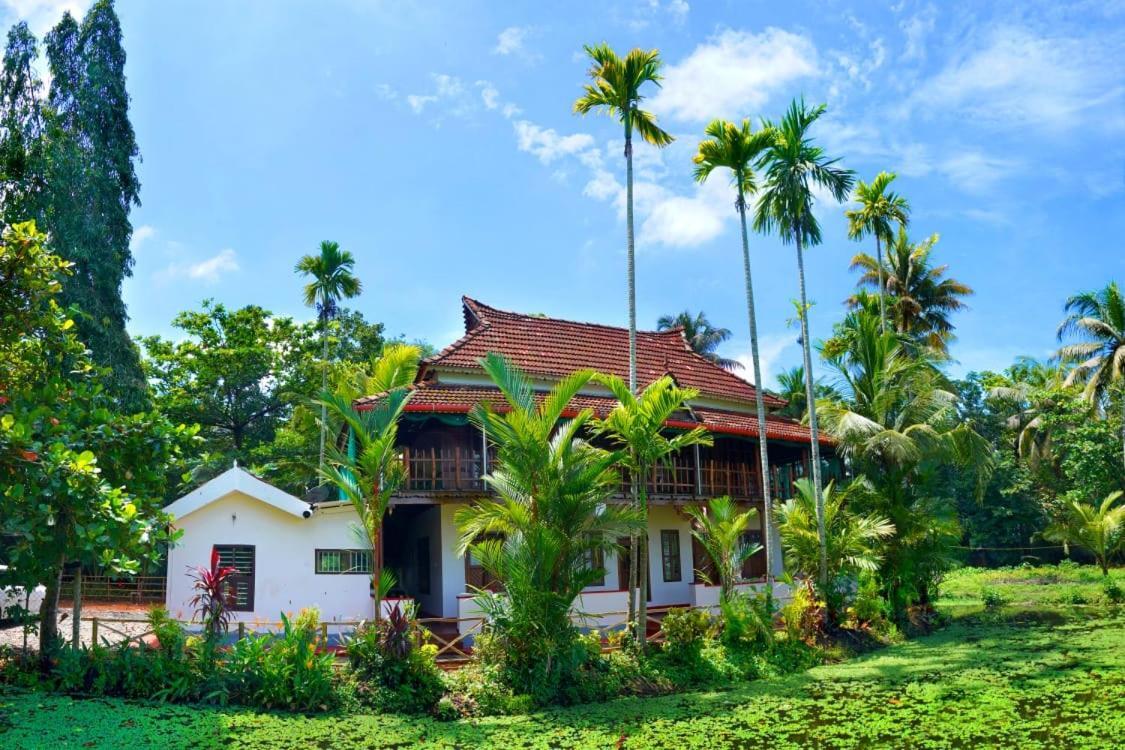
(293, 554)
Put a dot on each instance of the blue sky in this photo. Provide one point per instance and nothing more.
(436, 142)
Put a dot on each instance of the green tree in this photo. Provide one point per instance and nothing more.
(922, 296)
(91, 185)
(1096, 323)
(332, 280)
(702, 336)
(736, 148)
(721, 530)
(615, 89)
(368, 469)
(854, 540)
(21, 128)
(792, 167)
(791, 387)
(545, 534)
(636, 426)
(1099, 529)
(878, 210)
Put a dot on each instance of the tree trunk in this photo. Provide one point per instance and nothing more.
(49, 616)
(642, 566)
(1123, 425)
(806, 346)
(629, 255)
(323, 387)
(882, 309)
(759, 400)
(76, 611)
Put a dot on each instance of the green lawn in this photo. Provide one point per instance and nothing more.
(1040, 674)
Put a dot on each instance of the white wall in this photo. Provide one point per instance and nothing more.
(452, 564)
(284, 559)
(662, 517)
(426, 524)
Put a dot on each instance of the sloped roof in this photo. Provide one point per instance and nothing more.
(553, 348)
(237, 480)
(435, 398)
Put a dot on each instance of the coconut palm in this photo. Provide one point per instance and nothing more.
(1026, 391)
(1100, 530)
(332, 280)
(853, 539)
(922, 296)
(737, 148)
(878, 210)
(721, 530)
(791, 384)
(636, 426)
(1097, 321)
(702, 336)
(550, 518)
(792, 166)
(615, 89)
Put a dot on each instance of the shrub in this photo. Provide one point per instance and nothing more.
(477, 690)
(685, 631)
(747, 620)
(395, 672)
(992, 598)
(1113, 592)
(1073, 595)
(869, 608)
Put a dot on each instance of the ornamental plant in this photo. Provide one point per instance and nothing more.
(212, 588)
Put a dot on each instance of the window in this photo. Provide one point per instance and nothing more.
(670, 554)
(343, 561)
(240, 586)
(422, 560)
(595, 560)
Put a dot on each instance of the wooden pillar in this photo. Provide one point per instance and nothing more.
(698, 472)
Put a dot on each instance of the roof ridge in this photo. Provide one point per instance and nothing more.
(526, 316)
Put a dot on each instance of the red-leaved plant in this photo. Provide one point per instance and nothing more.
(210, 600)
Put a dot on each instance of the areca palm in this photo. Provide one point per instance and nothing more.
(550, 523)
(1100, 529)
(878, 209)
(1097, 321)
(615, 89)
(332, 280)
(636, 426)
(922, 296)
(721, 530)
(737, 148)
(702, 336)
(1026, 390)
(853, 539)
(792, 166)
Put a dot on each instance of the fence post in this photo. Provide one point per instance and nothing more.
(241, 630)
(93, 632)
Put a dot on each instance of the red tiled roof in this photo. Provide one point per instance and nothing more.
(429, 397)
(553, 348)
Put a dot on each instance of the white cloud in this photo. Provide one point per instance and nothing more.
(140, 235)
(418, 102)
(916, 29)
(208, 270)
(510, 40)
(1021, 79)
(976, 172)
(734, 74)
(386, 92)
(546, 144)
(447, 89)
(489, 94)
(646, 12)
(771, 347)
(42, 15)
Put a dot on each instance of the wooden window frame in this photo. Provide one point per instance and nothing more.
(348, 565)
(671, 556)
(240, 576)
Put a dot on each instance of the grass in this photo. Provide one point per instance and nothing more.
(1034, 673)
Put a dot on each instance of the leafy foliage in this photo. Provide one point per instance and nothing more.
(702, 336)
(211, 586)
(722, 531)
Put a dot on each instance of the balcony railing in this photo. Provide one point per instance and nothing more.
(458, 469)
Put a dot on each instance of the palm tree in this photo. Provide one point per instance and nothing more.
(703, 337)
(332, 280)
(636, 426)
(793, 166)
(737, 147)
(546, 531)
(1026, 391)
(721, 531)
(616, 90)
(853, 540)
(922, 297)
(368, 470)
(1100, 530)
(1097, 321)
(877, 210)
(791, 387)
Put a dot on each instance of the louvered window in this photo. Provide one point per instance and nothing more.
(240, 586)
(343, 561)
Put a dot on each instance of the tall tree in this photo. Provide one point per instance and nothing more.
(21, 128)
(332, 280)
(616, 90)
(922, 296)
(792, 167)
(92, 186)
(737, 147)
(878, 209)
(1096, 321)
(702, 336)
(721, 530)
